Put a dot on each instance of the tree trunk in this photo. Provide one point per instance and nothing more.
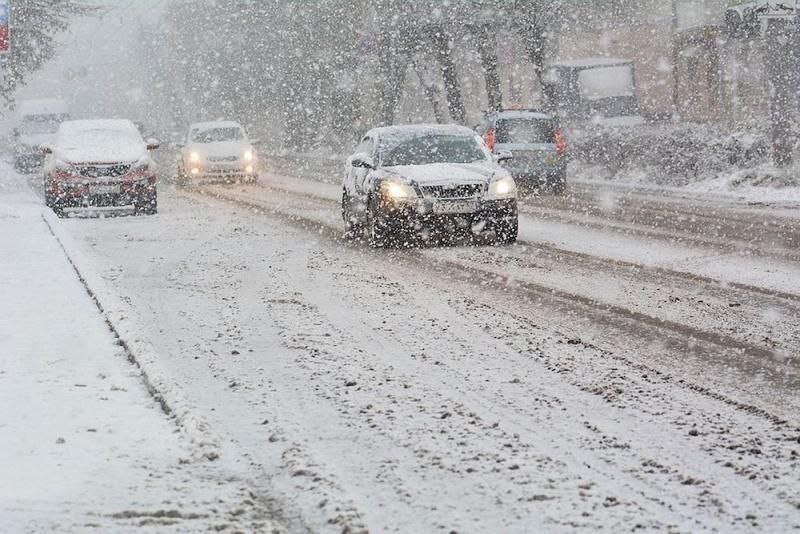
(443, 43)
(782, 77)
(487, 48)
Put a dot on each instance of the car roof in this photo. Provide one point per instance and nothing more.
(121, 125)
(410, 130)
(214, 124)
(592, 62)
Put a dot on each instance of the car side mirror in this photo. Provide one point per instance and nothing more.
(152, 144)
(362, 161)
(46, 149)
(504, 155)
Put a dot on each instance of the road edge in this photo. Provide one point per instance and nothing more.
(120, 318)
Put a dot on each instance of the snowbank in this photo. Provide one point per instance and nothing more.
(121, 319)
(701, 158)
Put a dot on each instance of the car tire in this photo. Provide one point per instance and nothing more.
(52, 203)
(506, 232)
(559, 187)
(378, 230)
(146, 205)
(352, 230)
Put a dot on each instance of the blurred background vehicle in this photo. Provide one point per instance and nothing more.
(37, 123)
(100, 163)
(598, 89)
(410, 181)
(536, 142)
(218, 150)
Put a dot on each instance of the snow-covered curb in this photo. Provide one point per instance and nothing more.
(121, 319)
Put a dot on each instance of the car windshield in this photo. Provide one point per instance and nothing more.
(215, 135)
(437, 148)
(98, 138)
(524, 131)
(41, 124)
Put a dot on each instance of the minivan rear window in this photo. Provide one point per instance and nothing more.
(524, 131)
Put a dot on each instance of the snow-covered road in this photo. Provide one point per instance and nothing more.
(556, 384)
(82, 444)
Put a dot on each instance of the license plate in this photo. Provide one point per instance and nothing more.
(103, 189)
(454, 207)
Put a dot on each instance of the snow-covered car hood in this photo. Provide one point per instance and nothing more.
(110, 152)
(221, 148)
(437, 173)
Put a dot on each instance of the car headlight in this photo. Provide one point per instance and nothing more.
(194, 157)
(248, 155)
(504, 187)
(398, 191)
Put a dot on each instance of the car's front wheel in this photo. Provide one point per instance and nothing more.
(377, 227)
(146, 204)
(506, 231)
(352, 228)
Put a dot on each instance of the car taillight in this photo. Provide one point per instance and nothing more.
(561, 142)
(488, 138)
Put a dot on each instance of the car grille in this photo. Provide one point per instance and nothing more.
(103, 171)
(452, 191)
(224, 158)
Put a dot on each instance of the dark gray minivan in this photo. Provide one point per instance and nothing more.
(536, 143)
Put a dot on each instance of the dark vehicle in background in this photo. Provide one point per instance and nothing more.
(100, 163)
(535, 141)
(37, 123)
(599, 89)
(407, 182)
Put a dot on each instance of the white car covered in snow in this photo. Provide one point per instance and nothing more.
(217, 150)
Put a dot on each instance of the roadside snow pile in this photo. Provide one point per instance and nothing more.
(681, 156)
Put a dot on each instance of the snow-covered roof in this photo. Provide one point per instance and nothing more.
(214, 124)
(591, 62)
(121, 125)
(44, 106)
(404, 131)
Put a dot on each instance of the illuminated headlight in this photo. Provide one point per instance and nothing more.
(502, 188)
(249, 169)
(248, 155)
(195, 170)
(398, 191)
(194, 157)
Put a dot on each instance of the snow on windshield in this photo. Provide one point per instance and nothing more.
(215, 135)
(427, 149)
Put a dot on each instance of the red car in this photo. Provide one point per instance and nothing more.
(100, 163)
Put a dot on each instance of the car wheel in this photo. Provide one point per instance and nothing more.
(378, 229)
(181, 177)
(352, 229)
(506, 232)
(146, 205)
(559, 187)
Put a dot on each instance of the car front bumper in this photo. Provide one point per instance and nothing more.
(66, 194)
(421, 215)
(223, 171)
